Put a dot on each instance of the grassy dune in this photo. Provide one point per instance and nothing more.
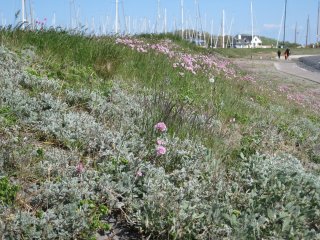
(80, 144)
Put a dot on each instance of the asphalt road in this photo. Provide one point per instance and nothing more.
(312, 63)
(307, 67)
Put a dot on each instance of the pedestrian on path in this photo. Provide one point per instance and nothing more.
(279, 53)
(286, 54)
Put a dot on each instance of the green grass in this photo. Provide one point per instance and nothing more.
(8, 116)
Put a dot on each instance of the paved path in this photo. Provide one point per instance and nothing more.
(291, 67)
(312, 63)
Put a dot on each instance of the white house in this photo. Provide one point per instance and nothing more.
(246, 41)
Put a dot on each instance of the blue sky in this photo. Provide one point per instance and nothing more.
(267, 14)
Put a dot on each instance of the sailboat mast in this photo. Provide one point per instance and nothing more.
(158, 18)
(211, 37)
(165, 21)
(318, 33)
(222, 28)
(23, 12)
(117, 17)
(284, 23)
(230, 41)
(70, 12)
(54, 20)
(307, 35)
(295, 33)
(31, 14)
(182, 20)
(251, 26)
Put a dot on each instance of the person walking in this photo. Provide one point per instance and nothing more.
(279, 53)
(286, 54)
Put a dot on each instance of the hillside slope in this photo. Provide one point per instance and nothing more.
(148, 138)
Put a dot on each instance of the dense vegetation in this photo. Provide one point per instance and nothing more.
(170, 139)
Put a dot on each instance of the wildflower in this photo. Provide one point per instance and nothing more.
(139, 174)
(160, 142)
(80, 168)
(161, 150)
(211, 80)
(232, 120)
(161, 127)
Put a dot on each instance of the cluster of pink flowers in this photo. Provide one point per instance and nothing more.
(80, 168)
(192, 63)
(139, 173)
(308, 98)
(134, 44)
(160, 148)
(208, 64)
(41, 23)
(283, 88)
(160, 127)
(298, 98)
(248, 78)
(163, 48)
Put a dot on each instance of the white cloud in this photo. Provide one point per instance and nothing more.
(271, 26)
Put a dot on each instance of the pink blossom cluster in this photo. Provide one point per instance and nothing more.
(305, 99)
(205, 63)
(283, 88)
(41, 23)
(297, 97)
(134, 44)
(193, 63)
(160, 127)
(160, 148)
(248, 78)
(163, 48)
(80, 168)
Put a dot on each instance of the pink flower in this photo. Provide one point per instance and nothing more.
(80, 168)
(160, 142)
(161, 127)
(139, 174)
(161, 150)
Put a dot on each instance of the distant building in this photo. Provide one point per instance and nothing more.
(198, 42)
(246, 41)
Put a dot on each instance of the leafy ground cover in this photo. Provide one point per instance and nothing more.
(167, 139)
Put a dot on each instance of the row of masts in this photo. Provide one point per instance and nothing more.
(161, 25)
